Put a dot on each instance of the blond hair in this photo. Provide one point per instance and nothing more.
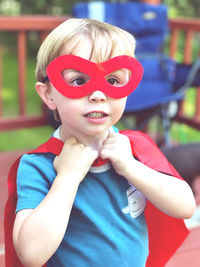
(107, 41)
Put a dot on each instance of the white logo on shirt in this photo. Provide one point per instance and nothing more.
(136, 202)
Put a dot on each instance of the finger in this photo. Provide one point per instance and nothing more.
(110, 138)
(105, 153)
(110, 141)
(94, 154)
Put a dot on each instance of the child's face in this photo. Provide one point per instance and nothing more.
(88, 116)
(92, 114)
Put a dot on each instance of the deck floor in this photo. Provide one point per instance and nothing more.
(186, 256)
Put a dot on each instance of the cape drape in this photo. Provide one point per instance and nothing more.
(165, 233)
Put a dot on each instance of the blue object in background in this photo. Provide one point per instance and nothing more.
(149, 25)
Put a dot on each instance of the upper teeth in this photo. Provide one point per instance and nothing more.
(95, 115)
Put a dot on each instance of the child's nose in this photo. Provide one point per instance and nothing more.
(97, 96)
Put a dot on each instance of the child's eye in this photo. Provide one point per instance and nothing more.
(113, 81)
(75, 78)
(78, 82)
(118, 78)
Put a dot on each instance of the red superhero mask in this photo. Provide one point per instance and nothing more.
(76, 77)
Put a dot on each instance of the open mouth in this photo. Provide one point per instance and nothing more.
(96, 115)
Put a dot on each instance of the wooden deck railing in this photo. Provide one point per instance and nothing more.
(21, 26)
(43, 24)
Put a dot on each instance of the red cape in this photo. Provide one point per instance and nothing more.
(165, 233)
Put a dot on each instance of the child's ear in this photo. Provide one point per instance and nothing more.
(45, 93)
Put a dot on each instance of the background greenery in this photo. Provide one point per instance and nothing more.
(29, 138)
(189, 8)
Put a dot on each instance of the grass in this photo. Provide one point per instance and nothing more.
(10, 86)
(181, 132)
(22, 138)
(30, 138)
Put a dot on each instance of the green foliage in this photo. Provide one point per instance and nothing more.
(10, 85)
(49, 7)
(183, 8)
(9, 7)
(24, 138)
(189, 8)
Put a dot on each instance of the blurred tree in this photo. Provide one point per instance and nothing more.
(184, 8)
(56, 7)
(9, 7)
(59, 7)
(51, 7)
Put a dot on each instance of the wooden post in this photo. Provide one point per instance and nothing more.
(188, 47)
(1, 82)
(22, 71)
(44, 108)
(197, 113)
(174, 42)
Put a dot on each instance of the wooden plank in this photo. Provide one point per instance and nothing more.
(1, 81)
(185, 24)
(30, 23)
(22, 71)
(22, 122)
(173, 42)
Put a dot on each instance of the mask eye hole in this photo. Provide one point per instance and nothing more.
(119, 77)
(75, 78)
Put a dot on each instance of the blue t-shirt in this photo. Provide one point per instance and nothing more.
(107, 225)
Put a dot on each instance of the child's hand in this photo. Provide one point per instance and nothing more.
(75, 159)
(117, 149)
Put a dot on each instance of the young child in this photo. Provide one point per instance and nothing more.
(85, 206)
